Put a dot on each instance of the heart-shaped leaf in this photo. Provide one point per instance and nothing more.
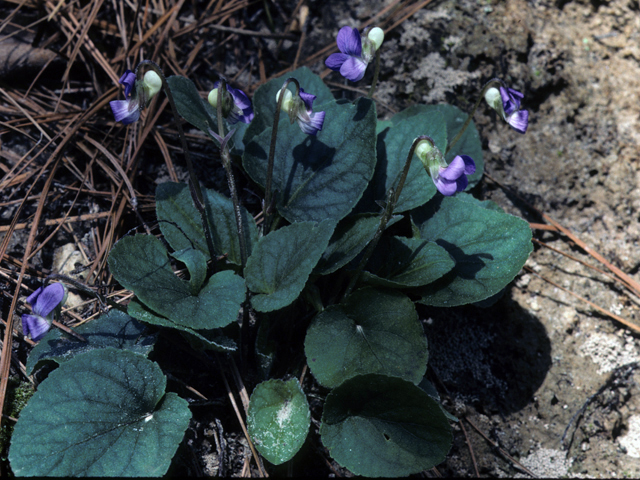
(379, 426)
(489, 248)
(393, 145)
(140, 263)
(407, 262)
(373, 331)
(104, 413)
(282, 261)
(319, 177)
(181, 223)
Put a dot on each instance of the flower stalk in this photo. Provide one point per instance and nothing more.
(226, 162)
(194, 185)
(393, 195)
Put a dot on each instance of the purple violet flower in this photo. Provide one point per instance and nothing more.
(128, 79)
(136, 96)
(516, 118)
(126, 111)
(310, 122)
(300, 109)
(453, 178)
(350, 63)
(239, 109)
(506, 102)
(43, 302)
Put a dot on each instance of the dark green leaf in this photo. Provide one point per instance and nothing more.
(351, 236)
(323, 176)
(196, 263)
(202, 339)
(282, 262)
(278, 419)
(374, 331)
(181, 224)
(407, 262)
(380, 426)
(102, 414)
(140, 263)
(489, 248)
(179, 221)
(114, 329)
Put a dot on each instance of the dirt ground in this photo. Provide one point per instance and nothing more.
(546, 377)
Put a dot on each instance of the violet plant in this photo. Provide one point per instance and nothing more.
(321, 265)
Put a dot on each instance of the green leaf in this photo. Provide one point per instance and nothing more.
(278, 419)
(102, 414)
(373, 331)
(379, 426)
(393, 146)
(264, 100)
(407, 262)
(140, 263)
(351, 236)
(323, 176)
(224, 230)
(179, 221)
(196, 263)
(191, 106)
(181, 225)
(114, 329)
(468, 144)
(282, 262)
(202, 339)
(489, 248)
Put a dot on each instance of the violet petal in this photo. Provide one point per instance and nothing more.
(49, 299)
(34, 325)
(353, 69)
(349, 41)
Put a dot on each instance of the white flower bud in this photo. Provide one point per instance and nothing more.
(152, 83)
(376, 36)
(286, 101)
(494, 99)
(213, 98)
(423, 148)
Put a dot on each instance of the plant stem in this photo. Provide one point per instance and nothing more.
(376, 72)
(194, 185)
(393, 195)
(226, 162)
(486, 87)
(266, 208)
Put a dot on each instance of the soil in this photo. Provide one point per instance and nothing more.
(547, 378)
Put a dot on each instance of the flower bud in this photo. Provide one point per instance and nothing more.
(376, 36)
(213, 98)
(423, 148)
(152, 84)
(494, 100)
(287, 101)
